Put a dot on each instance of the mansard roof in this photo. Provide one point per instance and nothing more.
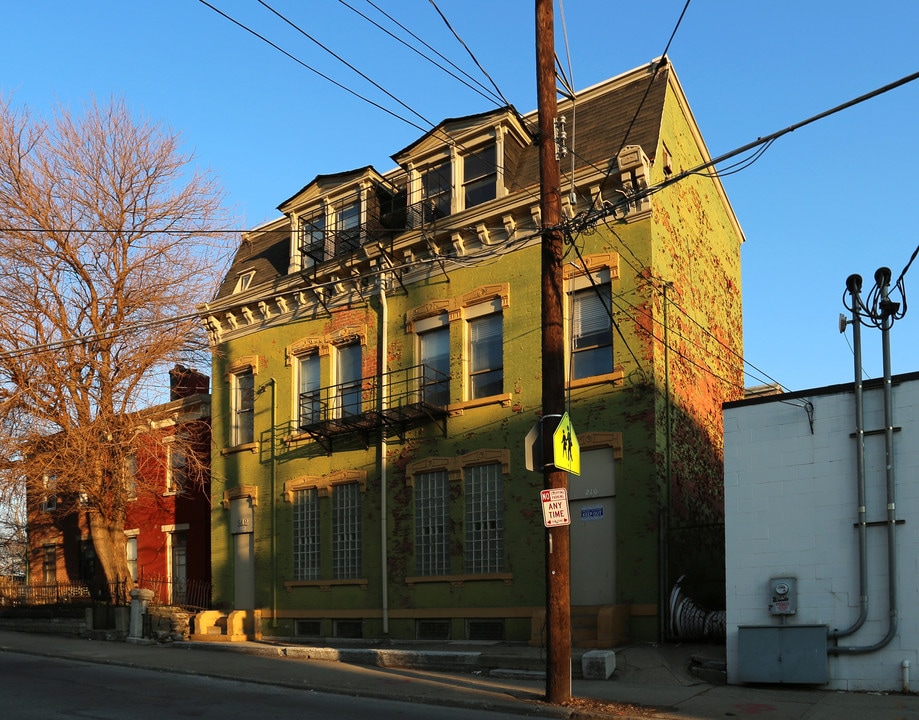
(621, 111)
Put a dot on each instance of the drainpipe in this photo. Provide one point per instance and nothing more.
(664, 525)
(383, 400)
(888, 308)
(854, 286)
(274, 508)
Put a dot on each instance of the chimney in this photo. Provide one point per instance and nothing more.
(185, 382)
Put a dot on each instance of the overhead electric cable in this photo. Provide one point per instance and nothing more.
(345, 62)
(646, 192)
(657, 67)
(481, 89)
(474, 59)
(312, 69)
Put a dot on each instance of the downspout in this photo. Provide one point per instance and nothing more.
(854, 286)
(383, 401)
(882, 277)
(274, 508)
(664, 524)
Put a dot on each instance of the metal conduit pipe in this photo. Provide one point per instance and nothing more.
(882, 277)
(854, 286)
(383, 400)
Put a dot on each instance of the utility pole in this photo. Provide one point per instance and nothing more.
(558, 563)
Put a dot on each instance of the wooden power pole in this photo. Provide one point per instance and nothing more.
(558, 582)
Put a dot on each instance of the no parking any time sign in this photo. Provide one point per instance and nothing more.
(555, 507)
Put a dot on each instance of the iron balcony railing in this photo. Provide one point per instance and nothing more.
(396, 401)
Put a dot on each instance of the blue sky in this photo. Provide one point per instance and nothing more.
(831, 199)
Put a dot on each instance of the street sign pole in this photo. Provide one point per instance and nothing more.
(558, 593)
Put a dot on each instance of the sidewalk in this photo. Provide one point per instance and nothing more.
(650, 682)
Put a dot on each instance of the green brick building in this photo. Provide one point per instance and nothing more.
(377, 368)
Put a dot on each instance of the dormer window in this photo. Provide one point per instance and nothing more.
(312, 239)
(480, 176)
(348, 226)
(437, 189)
(243, 281)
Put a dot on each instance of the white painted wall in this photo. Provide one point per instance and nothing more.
(791, 507)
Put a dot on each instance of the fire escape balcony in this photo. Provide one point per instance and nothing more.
(325, 244)
(395, 402)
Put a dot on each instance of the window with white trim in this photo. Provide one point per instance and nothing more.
(484, 492)
(242, 411)
(437, 191)
(591, 331)
(306, 534)
(434, 355)
(485, 351)
(130, 547)
(349, 366)
(243, 281)
(313, 240)
(480, 176)
(348, 227)
(432, 523)
(346, 531)
(310, 402)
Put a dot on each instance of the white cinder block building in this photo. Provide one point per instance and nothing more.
(807, 600)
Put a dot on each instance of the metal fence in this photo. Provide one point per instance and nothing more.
(16, 594)
(189, 594)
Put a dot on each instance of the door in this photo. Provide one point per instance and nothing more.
(592, 498)
(179, 564)
(241, 527)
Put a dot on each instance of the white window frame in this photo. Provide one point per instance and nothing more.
(470, 315)
(316, 413)
(243, 281)
(477, 179)
(598, 283)
(242, 434)
(316, 226)
(436, 323)
(431, 212)
(345, 405)
(130, 549)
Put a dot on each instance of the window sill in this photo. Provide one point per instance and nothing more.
(458, 581)
(251, 447)
(614, 378)
(325, 585)
(456, 409)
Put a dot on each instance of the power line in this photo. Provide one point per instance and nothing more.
(577, 223)
(657, 67)
(345, 62)
(310, 68)
(483, 91)
(471, 54)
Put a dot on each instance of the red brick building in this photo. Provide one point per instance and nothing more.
(167, 526)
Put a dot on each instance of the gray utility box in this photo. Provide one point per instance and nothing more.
(782, 654)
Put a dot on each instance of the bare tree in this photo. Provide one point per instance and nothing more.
(106, 246)
(13, 539)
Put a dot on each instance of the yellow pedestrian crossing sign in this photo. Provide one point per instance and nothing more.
(565, 449)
